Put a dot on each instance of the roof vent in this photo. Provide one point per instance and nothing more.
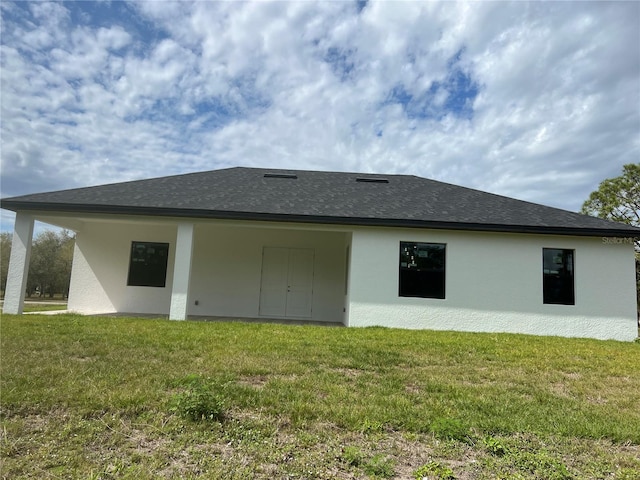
(371, 180)
(280, 175)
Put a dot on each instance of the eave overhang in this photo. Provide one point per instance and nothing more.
(60, 208)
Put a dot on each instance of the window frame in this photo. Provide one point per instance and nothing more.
(565, 284)
(137, 277)
(412, 287)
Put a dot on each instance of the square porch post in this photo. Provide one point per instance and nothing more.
(18, 264)
(181, 272)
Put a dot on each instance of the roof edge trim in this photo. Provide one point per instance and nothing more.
(17, 206)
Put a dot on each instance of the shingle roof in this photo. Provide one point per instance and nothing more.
(319, 197)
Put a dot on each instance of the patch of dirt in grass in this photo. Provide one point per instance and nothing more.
(253, 444)
(81, 359)
(258, 381)
(348, 372)
(410, 454)
(142, 443)
(599, 400)
(560, 390)
(190, 462)
(601, 456)
(413, 388)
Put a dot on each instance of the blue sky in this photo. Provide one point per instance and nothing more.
(538, 101)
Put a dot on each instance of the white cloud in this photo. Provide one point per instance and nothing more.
(533, 100)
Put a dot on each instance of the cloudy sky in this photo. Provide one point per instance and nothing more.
(537, 101)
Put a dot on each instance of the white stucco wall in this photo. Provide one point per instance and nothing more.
(227, 269)
(179, 305)
(101, 266)
(18, 264)
(493, 281)
(494, 284)
(225, 273)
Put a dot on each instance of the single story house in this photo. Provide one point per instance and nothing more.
(355, 249)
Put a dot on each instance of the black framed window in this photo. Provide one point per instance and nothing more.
(422, 270)
(148, 264)
(558, 273)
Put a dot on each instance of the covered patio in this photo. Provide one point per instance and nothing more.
(213, 268)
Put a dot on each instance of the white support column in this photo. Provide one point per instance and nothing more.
(181, 272)
(18, 264)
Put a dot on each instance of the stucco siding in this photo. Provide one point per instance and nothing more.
(494, 284)
(227, 270)
(494, 281)
(225, 273)
(101, 266)
(18, 264)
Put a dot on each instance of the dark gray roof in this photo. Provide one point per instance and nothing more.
(319, 197)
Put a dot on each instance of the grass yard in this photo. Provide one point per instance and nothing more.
(43, 307)
(106, 398)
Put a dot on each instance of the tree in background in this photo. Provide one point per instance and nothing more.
(5, 251)
(618, 199)
(50, 265)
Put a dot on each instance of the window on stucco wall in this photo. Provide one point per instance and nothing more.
(148, 264)
(422, 270)
(558, 270)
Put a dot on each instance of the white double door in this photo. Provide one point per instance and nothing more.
(286, 288)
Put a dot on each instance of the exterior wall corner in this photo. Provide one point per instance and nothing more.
(19, 264)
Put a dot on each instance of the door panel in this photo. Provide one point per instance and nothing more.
(300, 291)
(273, 291)
(287, 282)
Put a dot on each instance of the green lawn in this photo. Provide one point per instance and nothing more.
(110, 398)
(43, 307)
